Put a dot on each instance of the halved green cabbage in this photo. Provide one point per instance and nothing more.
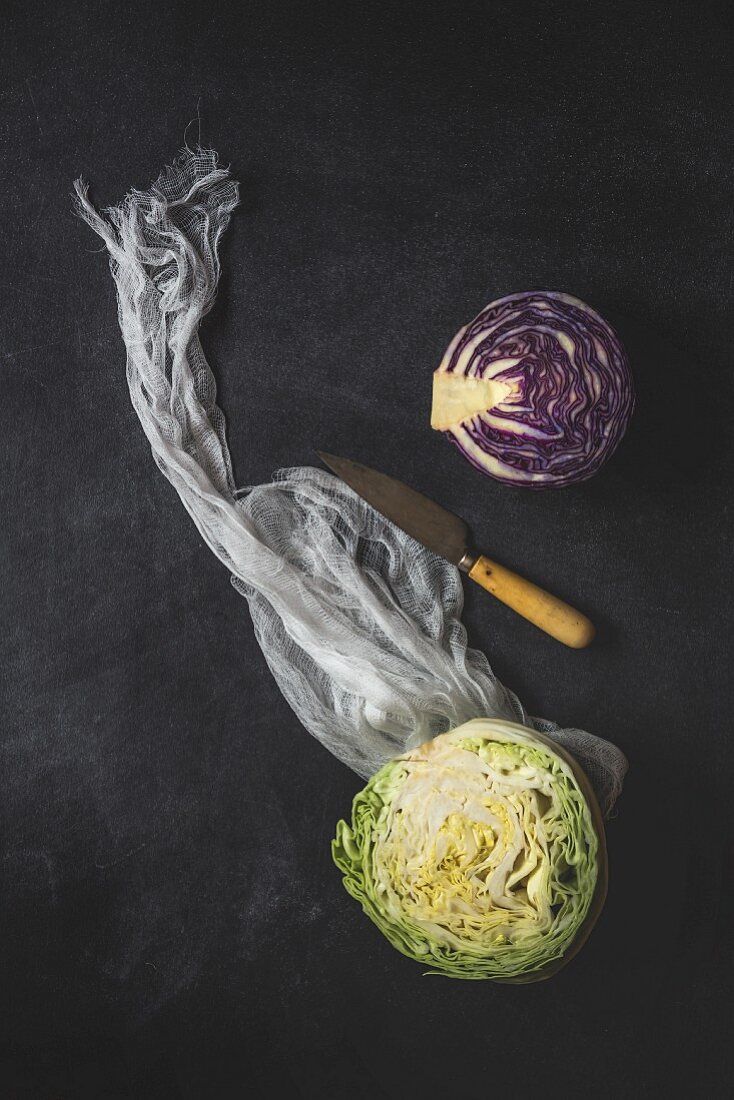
(477, 853)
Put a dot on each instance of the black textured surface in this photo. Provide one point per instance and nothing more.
(171, 922)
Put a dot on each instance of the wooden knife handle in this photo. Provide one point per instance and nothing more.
(538, 606)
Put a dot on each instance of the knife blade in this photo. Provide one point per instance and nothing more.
(447, 535)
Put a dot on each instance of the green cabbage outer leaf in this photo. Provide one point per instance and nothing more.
(475, 854)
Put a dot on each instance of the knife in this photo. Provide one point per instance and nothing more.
(447, 535)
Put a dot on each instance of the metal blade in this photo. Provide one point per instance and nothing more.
(423, 519)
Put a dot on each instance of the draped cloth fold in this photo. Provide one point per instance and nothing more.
(359, 624)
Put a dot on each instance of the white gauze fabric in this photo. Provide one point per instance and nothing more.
(359, 624)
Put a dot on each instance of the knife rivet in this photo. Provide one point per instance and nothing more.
(467, 562)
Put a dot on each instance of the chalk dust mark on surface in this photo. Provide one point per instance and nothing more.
(31, 347)
(121, 859)
(38, 215)
(35, 108)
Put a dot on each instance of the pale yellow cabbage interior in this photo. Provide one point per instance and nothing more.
(467, 847)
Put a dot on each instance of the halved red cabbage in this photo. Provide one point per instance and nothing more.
(536, 391)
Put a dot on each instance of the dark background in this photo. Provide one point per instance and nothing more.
(171, 924)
